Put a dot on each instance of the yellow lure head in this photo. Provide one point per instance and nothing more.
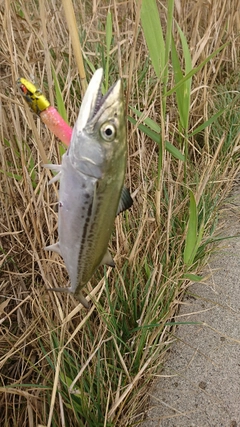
(33, 96)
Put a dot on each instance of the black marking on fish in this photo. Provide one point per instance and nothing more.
(84, 236)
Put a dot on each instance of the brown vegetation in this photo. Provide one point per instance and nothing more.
(46, 340)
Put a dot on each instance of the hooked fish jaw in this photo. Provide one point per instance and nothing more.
(91, 143)
(89, 101)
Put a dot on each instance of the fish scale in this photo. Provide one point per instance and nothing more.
(91, 191)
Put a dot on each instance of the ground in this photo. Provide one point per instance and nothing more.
(199, 385)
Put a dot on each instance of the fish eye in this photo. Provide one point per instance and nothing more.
(108, 131)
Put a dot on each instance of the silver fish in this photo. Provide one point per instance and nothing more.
(91, 189)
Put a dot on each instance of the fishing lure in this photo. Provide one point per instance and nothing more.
(48, 114)
(33, 96)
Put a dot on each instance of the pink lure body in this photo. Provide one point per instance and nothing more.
(55, 123)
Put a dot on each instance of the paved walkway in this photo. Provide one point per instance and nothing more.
(200, 384)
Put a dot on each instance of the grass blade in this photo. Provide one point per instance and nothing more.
(153, 34)
(182, 92)
(149, 122)
(195, 70)
(73, 30)
(207, 122)
(191, 237)
(60, 103)
(156, 137)
(108, 44)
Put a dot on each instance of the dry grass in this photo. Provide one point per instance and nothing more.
(47, 340)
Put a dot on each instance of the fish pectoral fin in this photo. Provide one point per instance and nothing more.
(107, 260)
(54, 248)
(56, 168)
(125, 202)
(79, 297)
(66, 290)
(55, 178)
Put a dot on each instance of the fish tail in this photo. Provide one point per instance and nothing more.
(82, 300)
(66, 290)
(78, 296)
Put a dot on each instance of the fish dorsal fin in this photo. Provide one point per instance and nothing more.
(125, 201)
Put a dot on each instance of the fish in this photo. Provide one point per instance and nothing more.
(91, 190)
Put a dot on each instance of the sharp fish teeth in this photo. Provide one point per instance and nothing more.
(98, 102)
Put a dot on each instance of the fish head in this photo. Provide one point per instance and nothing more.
(99, 134)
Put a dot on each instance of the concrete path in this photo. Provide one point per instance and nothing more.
(200, 384)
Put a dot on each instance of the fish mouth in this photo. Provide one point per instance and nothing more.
(93, 100)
